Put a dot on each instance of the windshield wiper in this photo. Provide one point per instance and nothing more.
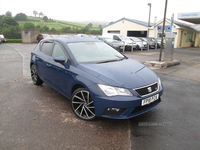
(120, 58)
(106, 61)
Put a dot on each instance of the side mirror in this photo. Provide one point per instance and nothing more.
(60, 59)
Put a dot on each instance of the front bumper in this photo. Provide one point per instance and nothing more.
(123, 107)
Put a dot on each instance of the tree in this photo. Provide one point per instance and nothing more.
(35, 13)
(90, 25)
(8, 21)
(66, 29)
(45, 18)
(1, 17)
(29, 26)
(8, 13)
(110, 23)
(41, 14)
(53, 30)
(37, 27)
(45, 28)
(20, 17)
(86, 29)
(12, 32)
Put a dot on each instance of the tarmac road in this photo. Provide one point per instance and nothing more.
(35, 118)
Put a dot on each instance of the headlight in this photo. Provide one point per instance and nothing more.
(114, 91)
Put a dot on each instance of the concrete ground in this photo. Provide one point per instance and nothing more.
(33, 118)
(189, 67)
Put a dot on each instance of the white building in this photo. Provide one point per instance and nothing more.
(185, 34)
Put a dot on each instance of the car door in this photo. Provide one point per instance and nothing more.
(42, 59)
(63, 77)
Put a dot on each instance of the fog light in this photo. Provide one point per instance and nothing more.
(114, 111)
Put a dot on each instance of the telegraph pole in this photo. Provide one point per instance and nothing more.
(163, 29)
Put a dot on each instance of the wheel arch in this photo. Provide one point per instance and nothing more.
(75, 87)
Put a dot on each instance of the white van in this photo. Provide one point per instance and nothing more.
(129, 44)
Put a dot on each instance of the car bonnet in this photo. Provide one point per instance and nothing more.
(126, 73)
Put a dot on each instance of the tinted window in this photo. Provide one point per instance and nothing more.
(46, 48)
(58, 51)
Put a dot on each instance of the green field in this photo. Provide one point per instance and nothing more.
(57, 24)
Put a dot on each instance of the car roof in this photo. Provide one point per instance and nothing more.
(73, 39)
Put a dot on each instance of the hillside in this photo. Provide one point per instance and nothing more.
(57, 24)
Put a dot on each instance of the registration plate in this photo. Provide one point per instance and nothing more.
(149, 100)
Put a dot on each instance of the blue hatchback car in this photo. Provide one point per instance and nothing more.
(99, 81)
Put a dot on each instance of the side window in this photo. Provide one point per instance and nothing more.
(46, 48)
(58, 51)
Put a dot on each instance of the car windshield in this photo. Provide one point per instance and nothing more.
(150, 39)
(136, 39)
(109, 39)
(146, 39)
(154, 40)
(94, 52)
(124, 37)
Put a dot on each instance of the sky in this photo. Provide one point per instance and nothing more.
(100, 10)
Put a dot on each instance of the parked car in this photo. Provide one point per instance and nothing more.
(98, 80)
(3, 39)
(42, 36)
(140, 43)
(159, 42)
(118, 45)
(151, 43)
(83, 35)
(129, 44)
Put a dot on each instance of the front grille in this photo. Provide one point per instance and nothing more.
(143, 91)
(111, 112)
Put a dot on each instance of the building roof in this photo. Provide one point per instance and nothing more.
(177, 24)
(143, 23)
(196, 27)
(193, 17)
(181, 25)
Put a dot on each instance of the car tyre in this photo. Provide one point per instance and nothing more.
(82, 104)
(34, 75)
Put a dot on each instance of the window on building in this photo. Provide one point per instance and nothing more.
(189, 37)
(114, 32)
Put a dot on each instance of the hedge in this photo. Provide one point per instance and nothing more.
(14, 40)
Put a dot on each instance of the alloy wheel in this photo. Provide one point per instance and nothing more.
(34, 73)
(83, 105)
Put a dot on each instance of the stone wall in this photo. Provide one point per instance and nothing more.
(30, 36)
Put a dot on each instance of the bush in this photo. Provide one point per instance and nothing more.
(14, 40)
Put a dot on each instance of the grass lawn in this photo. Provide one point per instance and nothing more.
(57, 24)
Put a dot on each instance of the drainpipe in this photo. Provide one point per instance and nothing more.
(171, 23)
